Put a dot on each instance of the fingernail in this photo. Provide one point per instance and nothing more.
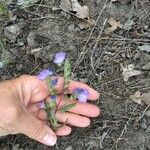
(49, 139)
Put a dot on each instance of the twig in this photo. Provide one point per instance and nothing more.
(143, 113)
(84, 51)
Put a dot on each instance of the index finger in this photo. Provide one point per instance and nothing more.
(93, 94)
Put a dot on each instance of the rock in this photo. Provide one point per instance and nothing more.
(66, 5)
(146, 66)
(19, 67)
(15, 147)
(144, 48)
(1, 65)
(137, 55)
(128, 24)
(143, 124)
(69, 148)
(122, 1)
(98, 2)
(11, 32)
(83, 80)
(148, 130)
(141, 147)
(30, 39)
(147, 113)
(7, 57)
(148, 146)
(25, 3)
(71, 28)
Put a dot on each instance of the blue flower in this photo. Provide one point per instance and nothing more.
(45, 73)
(59, 58)
(53, 98)
(54, 82)
(81, 94)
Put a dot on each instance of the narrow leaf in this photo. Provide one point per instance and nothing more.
(67, 107)
(3, 9)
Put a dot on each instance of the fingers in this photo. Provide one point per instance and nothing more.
(36, 129)
(40, 89)
(63, 131)
(73, 85)
(86, 109)
(67, 118)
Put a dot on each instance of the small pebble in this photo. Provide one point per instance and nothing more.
(143, 124)
(83, 80)
(11, 32)
(137, 55)
(146, 67)
(69, 148)
(147, 113)
(147, 130)
(1, 65)
(15, 147)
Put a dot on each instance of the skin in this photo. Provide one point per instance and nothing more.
(20, 112)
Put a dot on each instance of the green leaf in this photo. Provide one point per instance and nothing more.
(3, 9)
(52, 89)
(67, 73)
(67, 107)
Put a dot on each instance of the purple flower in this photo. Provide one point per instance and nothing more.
(81, 94)
(45, 73)
(54, 82)
(41, 104)
(53, 98)
(59, 58)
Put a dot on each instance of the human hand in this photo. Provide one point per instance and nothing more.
(20, 110)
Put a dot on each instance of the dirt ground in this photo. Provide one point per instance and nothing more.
(95, 57)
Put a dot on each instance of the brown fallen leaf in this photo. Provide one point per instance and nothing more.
(114, 25)
(146, 98)
(82, 12)
(138, 97)
(129, 71)
(87, 24)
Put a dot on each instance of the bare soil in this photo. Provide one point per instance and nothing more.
(96, 58)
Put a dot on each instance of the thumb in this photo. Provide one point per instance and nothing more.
(37, 130)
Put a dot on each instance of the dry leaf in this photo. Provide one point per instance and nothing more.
(114, 25)
(146, 98)
(129, 71)
(87, 24)
(138, 97)
(82, 12)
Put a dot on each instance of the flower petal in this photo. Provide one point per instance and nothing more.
(59, 57)
(45, 73)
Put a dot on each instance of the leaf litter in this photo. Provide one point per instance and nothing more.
(114, 25)
(81, 12)
(144, 48)
(129, 71)
(138, 97)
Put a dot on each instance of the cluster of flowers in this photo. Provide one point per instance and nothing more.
(78, 94)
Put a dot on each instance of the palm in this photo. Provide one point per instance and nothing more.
(35, 91)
